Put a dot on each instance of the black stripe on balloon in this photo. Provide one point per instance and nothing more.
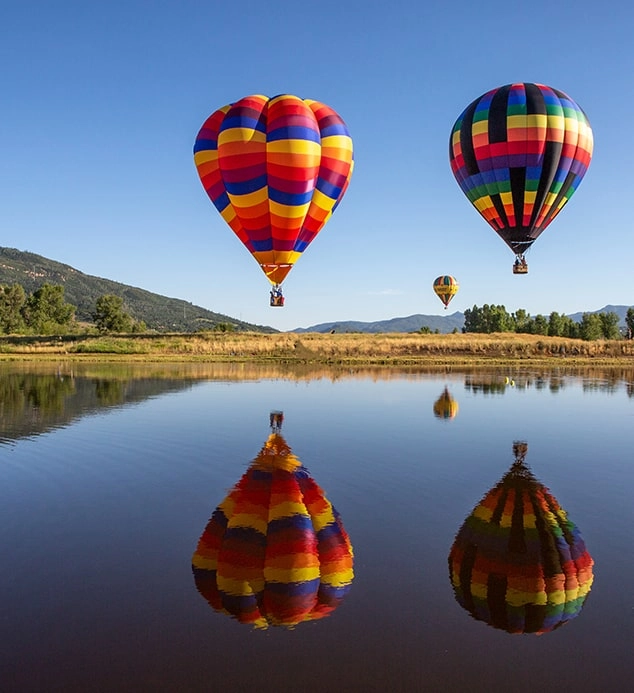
(517, 539)
(567, 184)
(498, 114)
(518, 191)
(466, 142)
(552, 156)
(550, 559)
(496, 515)
(466, 569)
(499, 208)
(496, 600)
(534, 615)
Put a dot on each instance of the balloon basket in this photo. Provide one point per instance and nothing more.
(520, 269)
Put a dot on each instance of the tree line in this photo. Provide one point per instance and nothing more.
(493, 318)
(46, 312)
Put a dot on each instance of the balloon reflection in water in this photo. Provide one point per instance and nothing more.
(518, 563)
(274, 551)
(445, 407)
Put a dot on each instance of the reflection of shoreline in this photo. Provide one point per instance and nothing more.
(476, 378)
(33, 404)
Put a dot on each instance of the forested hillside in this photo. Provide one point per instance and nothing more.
(82, 290)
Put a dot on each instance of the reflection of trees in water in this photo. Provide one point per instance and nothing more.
(33, 403)
(44, 393)
(607, 379)
(110, 392)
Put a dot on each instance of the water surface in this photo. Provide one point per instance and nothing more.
(109, 476)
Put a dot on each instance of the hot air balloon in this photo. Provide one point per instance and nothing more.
(276, 169)
(519, 152)
(275, 552)
(445, 407)
(518, 563)
(445, 287)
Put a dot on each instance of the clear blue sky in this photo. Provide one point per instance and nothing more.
(101, 103)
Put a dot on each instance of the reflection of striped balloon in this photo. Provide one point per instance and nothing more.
(518, 563)
(276, 169)
(445, 407)
(274, 551)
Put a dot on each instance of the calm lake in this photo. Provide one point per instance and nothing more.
(199, 527)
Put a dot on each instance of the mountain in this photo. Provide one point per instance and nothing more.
(411, 323)
(442, 323)
(82, 290)
(621, 311)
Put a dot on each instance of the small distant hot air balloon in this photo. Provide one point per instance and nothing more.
(445, 287)
(518, 563)
(519, 153)
(276, 169)
(275, 552)
(445, 407)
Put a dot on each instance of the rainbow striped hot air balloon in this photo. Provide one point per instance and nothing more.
(445, 287)
(518, 563)
(518, 153)
(274, 552)
(276, 169)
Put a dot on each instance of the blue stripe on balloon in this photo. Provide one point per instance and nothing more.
(261, 246)
(293, 132)
(242, 121)
(300, 246)
(201, 145)
(328, 189)
(221, 202)
(246, 186)
(290, 199)
(290, 589)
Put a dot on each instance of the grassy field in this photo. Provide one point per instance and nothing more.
(314, 348)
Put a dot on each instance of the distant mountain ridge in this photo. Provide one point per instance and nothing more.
(410, 323)
(443, 323)
(82, 290)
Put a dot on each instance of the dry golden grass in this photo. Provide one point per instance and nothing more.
(388, 349)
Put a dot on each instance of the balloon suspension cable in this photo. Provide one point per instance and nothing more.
(520, 449)
(276, 419)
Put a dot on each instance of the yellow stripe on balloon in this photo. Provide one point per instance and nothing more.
(479, 128)
(290, 575)
(242, 135)
(289, 211)
(305, 147)
(254, 198)
(337, 142)
(286, 509)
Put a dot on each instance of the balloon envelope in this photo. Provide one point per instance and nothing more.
(445, 287)
(274, 551)
(445, 407)
(276, 169)
(519, 153)
(518, 563)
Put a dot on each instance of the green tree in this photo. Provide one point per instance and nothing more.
(45, 310)
(629, 321)
(539, 325)
(590, 327)
(610, 325)
(522, 320)
(109, 315)
(12, 300)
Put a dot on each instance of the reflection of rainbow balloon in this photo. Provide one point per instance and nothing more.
(518, 563)
(445, 407)
(274, 551)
